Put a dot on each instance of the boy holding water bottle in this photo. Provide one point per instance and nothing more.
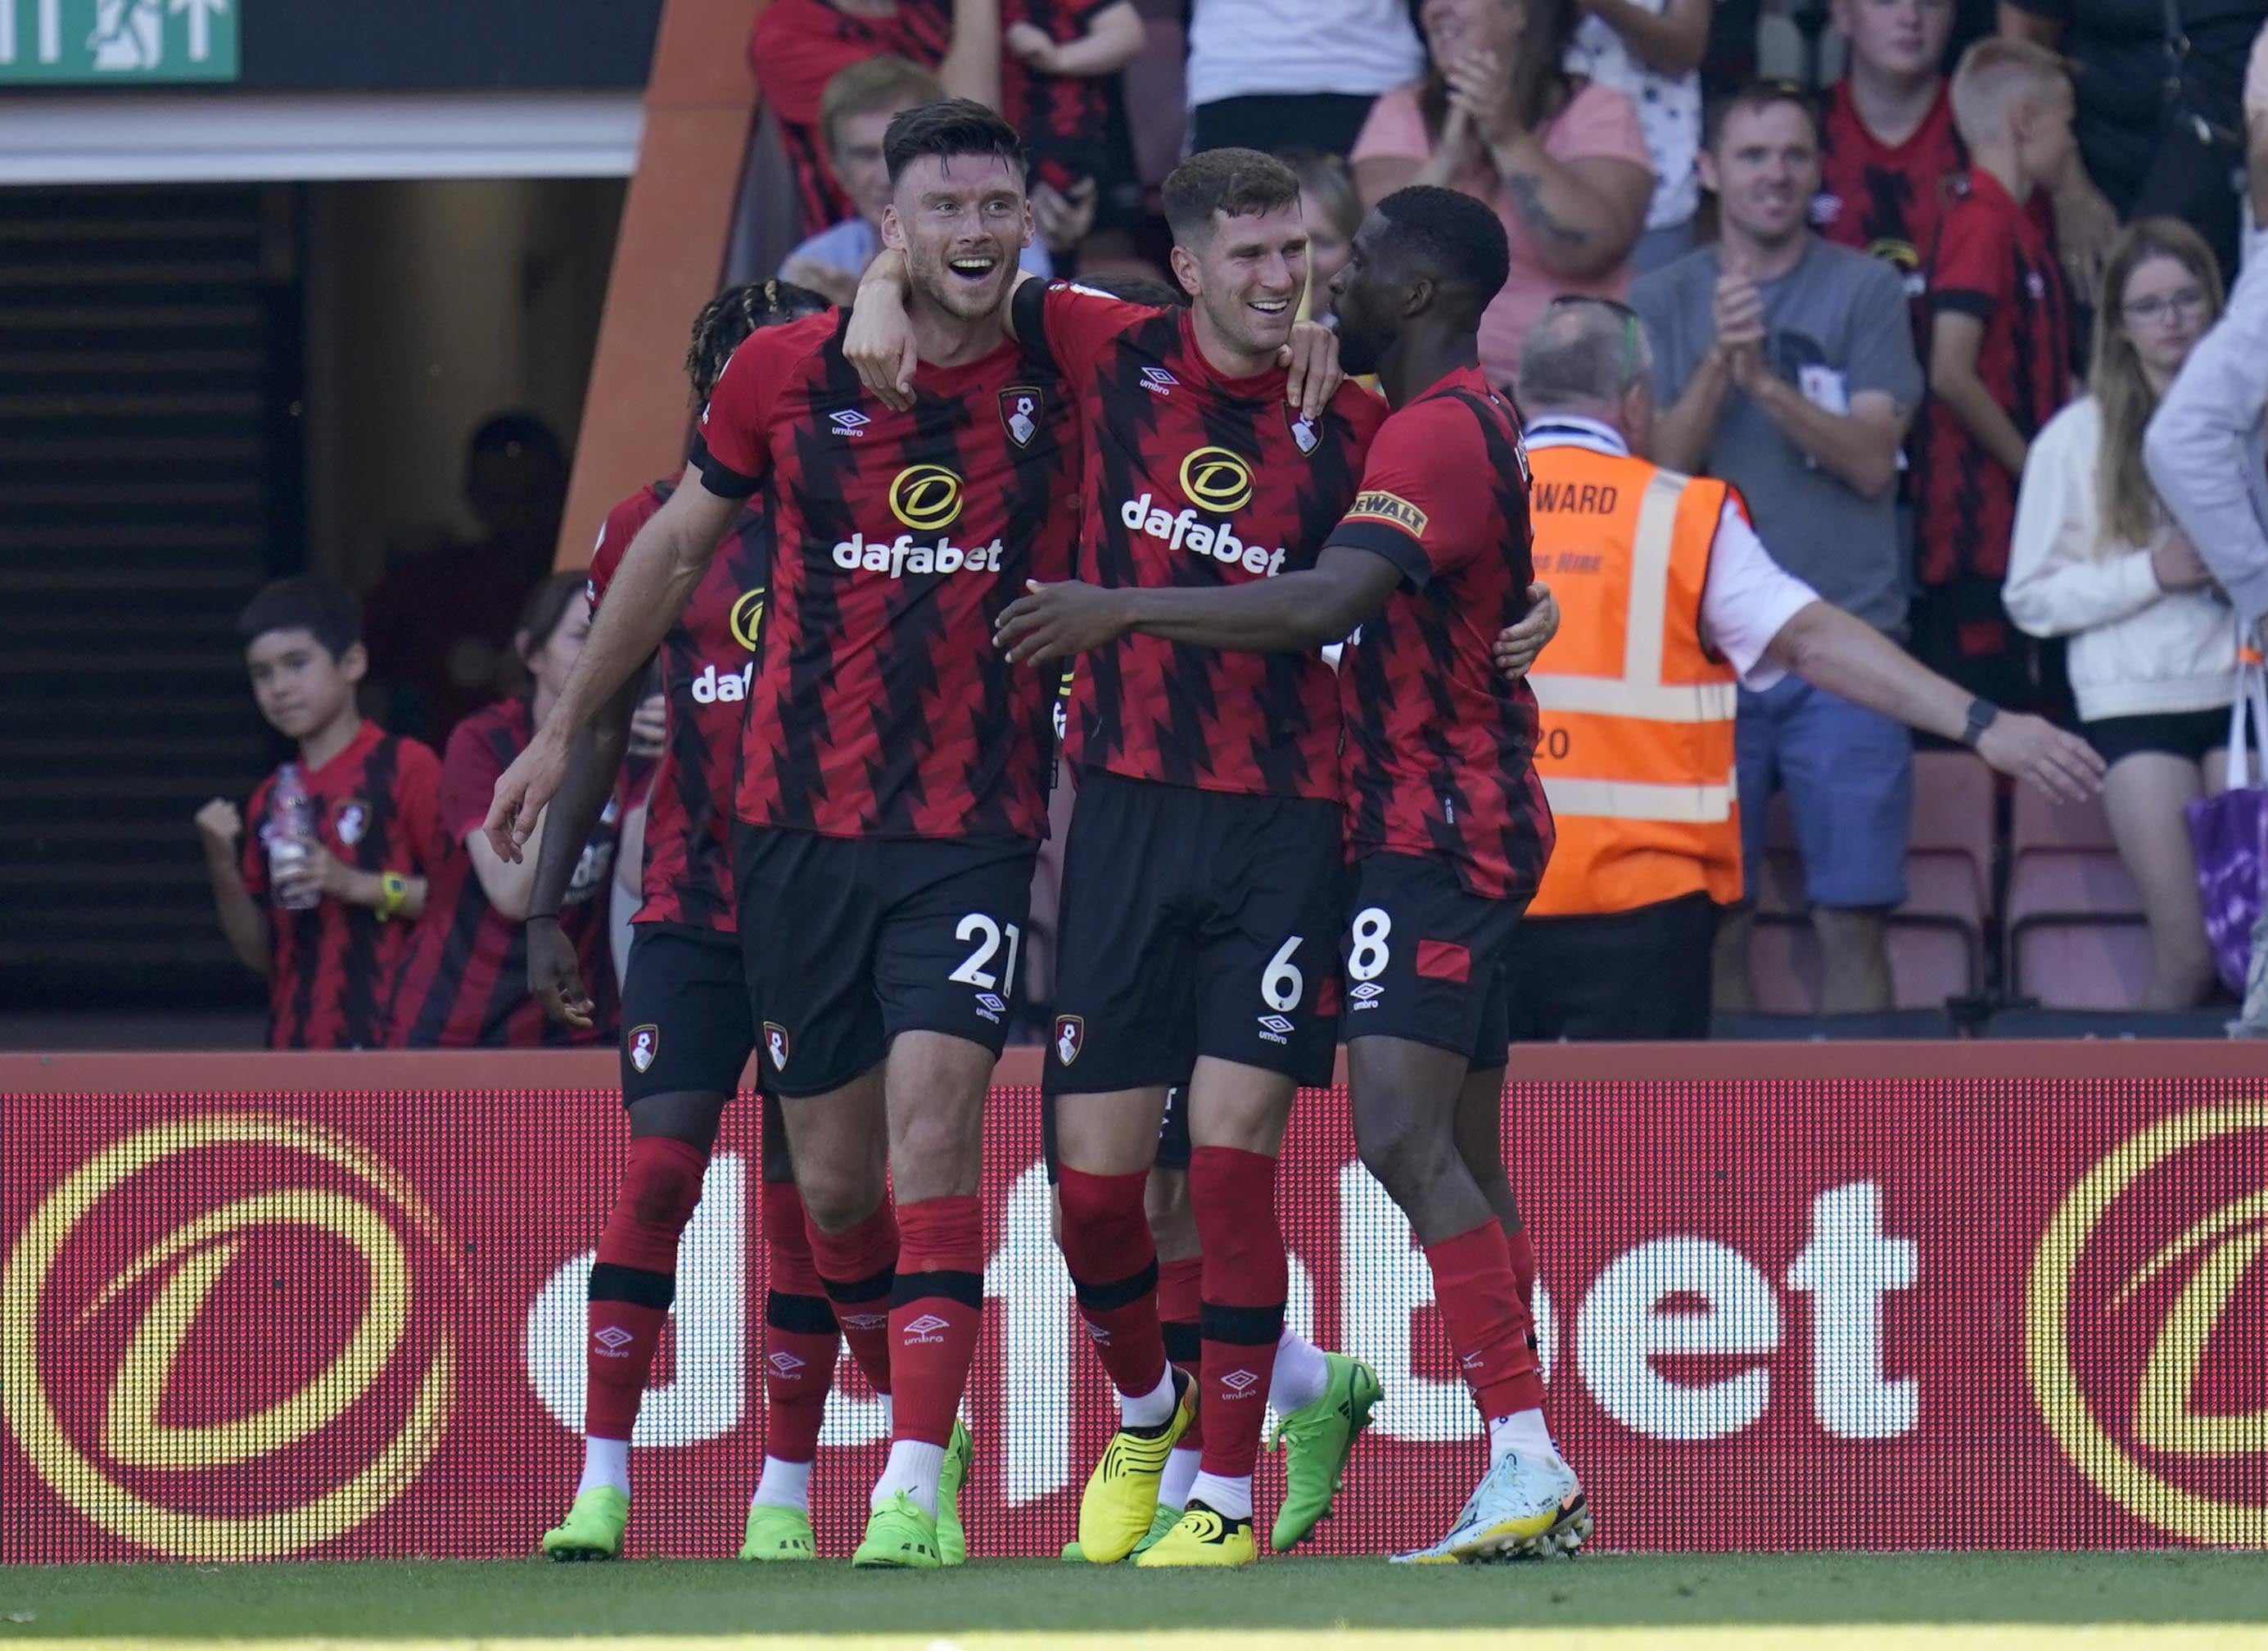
(320, 895)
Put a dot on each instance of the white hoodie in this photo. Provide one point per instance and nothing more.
(2136, 650)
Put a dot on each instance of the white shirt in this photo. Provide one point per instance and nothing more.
(1668, 112)
(1241, 48)
(1747, 598)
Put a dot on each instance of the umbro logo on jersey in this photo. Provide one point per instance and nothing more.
(1366, 995)
(1276, 1028)
(1158, 381)
(612, 1340)
(927, 1329)
(849, 422)
(645, 1043)
(863, 1321)
(786, 1363)
(991, 1007)
(1240, 1381)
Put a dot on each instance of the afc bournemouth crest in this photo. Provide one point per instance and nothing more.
(645, 1043)
(776, 1044)
(1304, 430)
(352, 819)
(1071, 1037)
(1020, 412)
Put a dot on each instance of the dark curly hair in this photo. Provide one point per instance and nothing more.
(731, 315)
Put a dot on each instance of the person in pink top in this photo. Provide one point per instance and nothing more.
(1564, 162)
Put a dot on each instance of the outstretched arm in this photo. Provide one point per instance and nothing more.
(1289, 613)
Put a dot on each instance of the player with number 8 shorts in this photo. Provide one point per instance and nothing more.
(1447, 831)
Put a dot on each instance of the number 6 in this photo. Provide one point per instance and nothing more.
(1281, 985)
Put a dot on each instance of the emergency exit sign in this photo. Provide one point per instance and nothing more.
(117, 42)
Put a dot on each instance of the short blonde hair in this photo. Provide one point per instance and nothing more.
(872, 85)
(1994, 75)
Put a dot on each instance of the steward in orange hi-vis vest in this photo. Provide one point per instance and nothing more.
(1636, 744)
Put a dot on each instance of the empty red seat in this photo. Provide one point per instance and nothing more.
(2076, 935)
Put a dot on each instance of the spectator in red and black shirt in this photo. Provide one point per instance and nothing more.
(1446, 823)
(798, 45)
(1889, 151)
(1059, 86)
(1999, 368)
(342, 902)
(465, 983)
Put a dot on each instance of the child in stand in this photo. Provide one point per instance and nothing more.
(320, 895)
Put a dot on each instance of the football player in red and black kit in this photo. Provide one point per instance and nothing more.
(893, 770)
(687, 1030)
(1199, 878)
(1448, 832)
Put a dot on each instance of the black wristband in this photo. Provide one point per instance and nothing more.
(1982, 715)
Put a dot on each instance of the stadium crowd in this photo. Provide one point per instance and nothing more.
(1920, 324)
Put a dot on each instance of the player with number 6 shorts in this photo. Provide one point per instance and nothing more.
(1447, 831)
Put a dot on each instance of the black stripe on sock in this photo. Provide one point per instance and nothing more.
(634, 1285)
(1101, 1298)
(873, 1288)
(805, 1314)
(967, 1288)
(1183, 1345)
(1241, 1326)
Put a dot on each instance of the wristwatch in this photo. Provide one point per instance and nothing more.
(1982, 715)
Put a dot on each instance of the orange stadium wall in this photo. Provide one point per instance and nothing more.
(1794, 1297)
(677, 220)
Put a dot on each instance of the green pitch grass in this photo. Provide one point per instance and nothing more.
(1632, 1600)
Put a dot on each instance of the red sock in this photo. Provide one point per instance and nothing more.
(801, 1338)
(636, 1278)
(935, 1309)
(1178, 1308)
(858, 1265)
(1522, 1248)
(1114, 1268)
(1487, 1322)
(1246, 1280)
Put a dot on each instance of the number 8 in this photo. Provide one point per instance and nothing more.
(1368, 961)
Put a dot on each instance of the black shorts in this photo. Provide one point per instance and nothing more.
(1194, 923)
(687, 1026)
(1173, 1133)
(850, 941)
(1425, 958)
(2190, 734)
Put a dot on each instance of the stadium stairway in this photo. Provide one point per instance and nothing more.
(150, 476)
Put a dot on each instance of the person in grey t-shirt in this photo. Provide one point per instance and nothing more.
(1785, 366)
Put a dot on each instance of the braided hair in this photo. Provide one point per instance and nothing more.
(731, 315)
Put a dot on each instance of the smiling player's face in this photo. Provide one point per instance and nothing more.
(1247, 275)
(961, 222)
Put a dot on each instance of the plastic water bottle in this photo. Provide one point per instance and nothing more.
(291, 826)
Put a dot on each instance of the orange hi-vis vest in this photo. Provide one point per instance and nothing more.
(1635, 747)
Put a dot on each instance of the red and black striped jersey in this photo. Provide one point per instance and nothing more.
(879, 707)
(1992, 261)
(1194, 479)
(465, 983)
(1066, 119)
(1884, 200)
(707, 663)
(1440, 747)
(797, 47)
(376, 807)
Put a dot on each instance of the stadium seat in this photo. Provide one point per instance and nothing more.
(1936, 939)
(2076, 936)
